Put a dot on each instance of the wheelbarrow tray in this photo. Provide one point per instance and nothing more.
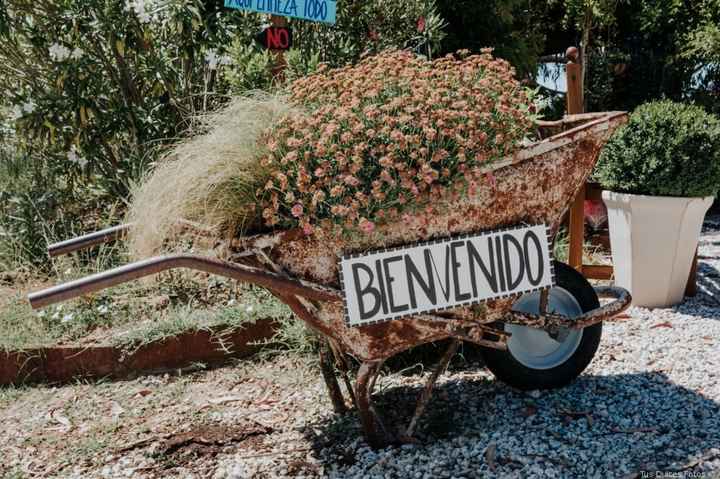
(535, 186)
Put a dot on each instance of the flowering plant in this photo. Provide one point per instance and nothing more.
(392, 133)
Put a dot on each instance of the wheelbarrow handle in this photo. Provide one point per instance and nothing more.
(269, 280)
(91, 239)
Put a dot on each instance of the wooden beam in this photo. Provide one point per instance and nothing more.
(598, 271)
(278, 68)
(574, 96)
(577, 231)
(574, 100)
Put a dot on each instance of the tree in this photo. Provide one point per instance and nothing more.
(515, 29)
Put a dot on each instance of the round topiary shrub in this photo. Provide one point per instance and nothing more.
(665, 149)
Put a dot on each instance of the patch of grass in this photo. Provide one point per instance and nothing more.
(591, 254)
(252, 305)
(15, 473)
(292, 335)
(135, 314)
(9, 394)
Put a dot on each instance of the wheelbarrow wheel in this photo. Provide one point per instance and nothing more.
(538, 359)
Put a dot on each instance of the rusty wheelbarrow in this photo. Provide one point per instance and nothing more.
(477, 270)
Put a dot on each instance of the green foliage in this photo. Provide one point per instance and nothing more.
(666, 149)
(371, 26)
(362, 28)
(254, 68)
(92, 90)
(655, 49)
(514, 28)
(604, 71)
(93, 85)
(95, 90)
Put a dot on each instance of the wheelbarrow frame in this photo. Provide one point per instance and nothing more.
(312, 300)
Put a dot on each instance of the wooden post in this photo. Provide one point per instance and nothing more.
(574, 97)
(279, 66)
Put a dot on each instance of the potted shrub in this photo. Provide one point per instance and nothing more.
(663, 171)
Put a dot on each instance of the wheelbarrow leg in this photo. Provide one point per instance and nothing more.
(328, 371)
(368, 416)
(429, 385)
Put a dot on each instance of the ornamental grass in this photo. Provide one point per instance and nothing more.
(345, 150)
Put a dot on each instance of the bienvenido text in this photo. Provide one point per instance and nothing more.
(454, 272)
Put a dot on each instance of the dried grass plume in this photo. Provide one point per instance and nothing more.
(212, 178)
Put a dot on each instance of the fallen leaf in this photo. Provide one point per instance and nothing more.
(490, 455)
(224, 399)
(116, 410)
(144, 392)
(58, 416)
(666, 324)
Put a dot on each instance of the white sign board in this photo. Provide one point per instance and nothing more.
(447, 273)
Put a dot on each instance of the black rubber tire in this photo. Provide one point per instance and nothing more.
(508, 370)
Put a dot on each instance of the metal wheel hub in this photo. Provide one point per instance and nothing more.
(537, 348)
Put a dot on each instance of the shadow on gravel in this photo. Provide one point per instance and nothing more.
(608, 425)
(708, 291)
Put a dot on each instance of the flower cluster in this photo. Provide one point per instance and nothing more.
(213, 59)
(60, 53)
(144, 9)
(391, 134)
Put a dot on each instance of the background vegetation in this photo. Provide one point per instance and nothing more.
(96, 91)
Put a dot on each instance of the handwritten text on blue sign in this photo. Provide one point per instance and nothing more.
(314, 10)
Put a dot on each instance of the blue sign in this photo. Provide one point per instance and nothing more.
(313, 10)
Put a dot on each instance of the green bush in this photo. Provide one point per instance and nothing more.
(94, 91)
(363, 28)
(665, 149)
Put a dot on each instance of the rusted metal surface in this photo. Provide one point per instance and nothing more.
(534, 186)
(375, 432)
(328, 371)
(606, 312)
(64, 364)
(429, 385)
(88, 240)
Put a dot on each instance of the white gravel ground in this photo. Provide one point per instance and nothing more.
(649, 402)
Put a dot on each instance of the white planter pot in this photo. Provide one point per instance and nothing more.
(653, 241)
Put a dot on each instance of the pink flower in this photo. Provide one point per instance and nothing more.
(367, 226)
(490, 178)
(297, 210)
(307, 229)
(421, 24)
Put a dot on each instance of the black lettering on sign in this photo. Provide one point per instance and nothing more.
(427, 285)
(445, 289)
(500, 265)
(381, 285)
(489, 275)
(455, 269)
(389, 280)
(530, 235)
(413, 280)
(509, 240)
(362, 291)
